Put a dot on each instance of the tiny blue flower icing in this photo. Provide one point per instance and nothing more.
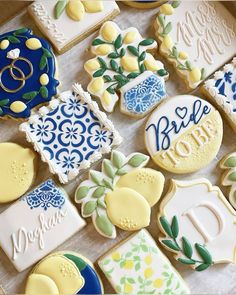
(22, 65)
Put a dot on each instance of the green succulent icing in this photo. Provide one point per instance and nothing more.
(230, 162)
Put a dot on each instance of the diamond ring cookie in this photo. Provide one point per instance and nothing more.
(67, 22)
(184, 134)
(27, 73)
(197, 37)
(17, 171)
(38, 223)
(123, 68)
(221, 90)
(64, 273)
(121, 195)
(198, 224)
(137, 266)
(71, 133)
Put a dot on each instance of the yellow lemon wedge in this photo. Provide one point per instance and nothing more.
(195, 75)
(40, 284)
(93, 6)
(92, 65)
(109, 32)
(18, 106)
(166, 9)
(96, 85)
(75, 10)
(130, 37)
(33, 44)
(4, 44)
(129, 63)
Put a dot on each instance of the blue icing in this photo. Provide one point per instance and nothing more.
(21, 76)
(144, 96)
(45, 196)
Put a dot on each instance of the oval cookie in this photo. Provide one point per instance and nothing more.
(184, 134)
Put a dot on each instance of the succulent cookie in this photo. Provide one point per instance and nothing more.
(27, 73)
(121, 195)
(124, 68)
(64, 273)
(137, 266)
(197, 37)
(38, 223)
(17, 171)
(184, 134)
(221, 90)
(198, 224)
(67, 22)
(71, 133)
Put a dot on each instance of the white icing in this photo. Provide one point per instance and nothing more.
(13, 54)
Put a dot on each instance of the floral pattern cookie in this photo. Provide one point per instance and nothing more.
(124, 67)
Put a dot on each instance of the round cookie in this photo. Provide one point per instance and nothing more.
(27, 77)
(17, 171)
(143, 4)
(184, 134)
(64, 273)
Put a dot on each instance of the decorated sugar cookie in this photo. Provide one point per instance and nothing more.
(71, 133)
(67, 22)
(146, 4)
(124, 68)
(197, 37)
(137, 266)
(38, 223)
(184, 134)
(27, 73)
(64, 273)
(198, 224)
(221, 90)
(228, 163)
(121, 195)
(17, 171)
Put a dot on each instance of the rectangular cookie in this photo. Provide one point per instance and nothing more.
(137, 266)
(38, 223)
(67, 23)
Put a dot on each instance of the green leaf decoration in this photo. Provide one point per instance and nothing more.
(118, 159)
(114, 65)
(133, 75)
(43, 92)
(175, 52)
(186, 261)
(133, 50)
(46, 52)
(13, 40)
(167, 28)
(120, 70)
(171, 244)
(113, 55)
(108, 168)
(99, 73)
(89, 208)
(175, 4)
(111, 90)
(175, 227)
(131, 280)
(187, 248)
(120, 79)
(203, 74)
(108, 183)
(188, 65)
(81, 193)
(98, 42)
(122, 52)
(162, 72)
(147, 42)
(1, 111)
(104, 225)
(142, 68)
(101, 204)
(98, 192)
(118, 42)
(107, 78)
(230, 162)
(43, 62)
(4, 102)
(122, 171)
(95, 177)
(203, 252)
(166, 226)
(21, 31)
(102, 62)
(137, 160)
(142, 56)
(181, 67)
(59, 8)
(202, 267)
(161, 20)
(30, 95)
(232, 176)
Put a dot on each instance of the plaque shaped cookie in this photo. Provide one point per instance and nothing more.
(221, 90)
(137, 266)
(67, 22)
(198, 223)
(27, 73)
(121, 195)
(197, 37)
(37, 223)
(124, 68)
(184, 134)
(71, 133)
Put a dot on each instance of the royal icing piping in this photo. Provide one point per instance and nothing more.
(137, 266)
(27, 70)
(197, 37)
(122, 64)
(198, 229)
(37, 223)
(71, 133)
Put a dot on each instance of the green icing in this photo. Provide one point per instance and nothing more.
(59, 8)
(234, 196)
(80, 263)
(104, 225)
(230, 162)
(232, 176)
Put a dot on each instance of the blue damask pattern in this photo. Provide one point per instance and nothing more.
(144, 96)
(45, 196)
(70, 134)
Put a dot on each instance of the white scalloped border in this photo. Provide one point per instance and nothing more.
(102, 117)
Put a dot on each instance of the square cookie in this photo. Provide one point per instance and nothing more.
(197, 37)
(137, 266)
(65, 23)
(221, 90)
(71, 133)
(38, 223)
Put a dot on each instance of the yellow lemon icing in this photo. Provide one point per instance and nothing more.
(129, 264)
(17, 171)
(33, 43)
(109, 32)
(75, 10)
(103, 49)
(130, 37)
(148, 259)
(17, 106)
(129, 63)
(38, 284)
(195, 75)
(128, 288)
(116, 256)
(148, 272)
(167, 42)
(92, 65)
(166, 9)
(106, 98)
(151, 64)
(44, 79)
(96, 85)
(93, 6)
(4, 44)
(183, 55)
(158, 283)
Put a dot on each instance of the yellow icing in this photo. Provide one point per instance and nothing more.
(129, 264)
(92, 65)
(106, 98)
(93, 6)
(195, 75)
(128, 288)
(147, 182)
(158, 283)
(127, 209)
(167, 42)
(33, 43)
(44, 79)
(115, 256)
(16, 171)
(17, 106)
(109, 32)
(166, 9)
(4, 44)
(103, 49)
(129, 63)
(148, 259)
(148, 272)
(63, 272)
(75, 10)
(38, 284)
(130, 37)
(96, 85)
(151, 64)
(183, 55)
